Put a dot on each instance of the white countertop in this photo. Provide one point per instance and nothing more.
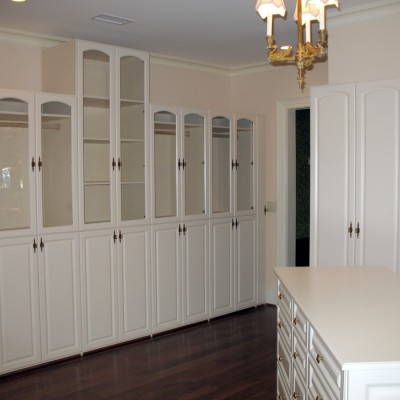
(356, 310)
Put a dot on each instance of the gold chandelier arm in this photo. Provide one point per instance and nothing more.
(279, 55)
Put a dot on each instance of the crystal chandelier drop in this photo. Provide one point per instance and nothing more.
(306, 12)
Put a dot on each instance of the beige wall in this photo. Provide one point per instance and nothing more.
(20, 66)
(366, 50)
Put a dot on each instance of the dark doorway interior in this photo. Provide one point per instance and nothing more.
(302, 187)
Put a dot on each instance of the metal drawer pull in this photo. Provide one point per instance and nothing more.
(280, 359)
(296, 321)
(318, 398)
(296, 396)
(281, 296)
(295, 355)
(280, 325)
(319, 358)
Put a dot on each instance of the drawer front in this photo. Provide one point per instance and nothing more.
(284, 328)
(300, 323)
(282, 387)
(284, 361)
(317, 388)
(299, 386)
(284, 300)
(299, 356)
(324, 362)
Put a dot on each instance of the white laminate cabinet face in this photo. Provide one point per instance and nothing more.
(299, 385)
(300, 324)
(324, 362)
(299, 356)
(282, 389)
(284, 300)
(285, 328)
(284, 361)
(317, 389)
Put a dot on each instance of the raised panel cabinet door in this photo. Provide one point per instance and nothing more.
(246, 262)
(195, 271)
(131, 131)
(378, 183)
(222, 267)
(19, 305)
(18, 164)
(167, 277)
(332, 175)
(99, 289)
(60, 301)
(134, 287)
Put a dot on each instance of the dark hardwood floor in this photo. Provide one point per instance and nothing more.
(233, 357)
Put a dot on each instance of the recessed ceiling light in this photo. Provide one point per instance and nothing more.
(112, 19)
(18, 1)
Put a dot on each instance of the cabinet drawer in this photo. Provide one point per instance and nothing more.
(284, 360)
(282, 386)
(317, 388)
(299, 356)
(300, 323)
(324, 362)
(284, 328)
(284, 300)
(299, 386)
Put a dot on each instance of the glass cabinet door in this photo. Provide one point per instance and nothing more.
(131, 162)
(221, 164)
(244, 165)
(15, 165)
(165, 147)
(96, 137)
(194, 164)
(55, 164)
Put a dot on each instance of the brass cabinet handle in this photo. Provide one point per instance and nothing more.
(318, 398)
(296, 321)
(350, 230)
(280, 325)
(295, 355)
(319, 358)
(281, 296)
(280, 359)
(296, 396)
(33, 164)
(119, 164)
(357, 230)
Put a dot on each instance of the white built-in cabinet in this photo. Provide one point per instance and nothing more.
(179, 147)
(117, 220)
(355, 174)
(39, 250)
(233, 216)
(111, 85)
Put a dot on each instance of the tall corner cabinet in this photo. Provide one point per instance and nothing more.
(40, 316)
(111, 85)
(355, 174)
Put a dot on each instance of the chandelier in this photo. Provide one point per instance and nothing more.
(306, 12)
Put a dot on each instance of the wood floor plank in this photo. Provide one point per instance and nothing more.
(229, 358)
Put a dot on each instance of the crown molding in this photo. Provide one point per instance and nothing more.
(29, 38)
(364, 13)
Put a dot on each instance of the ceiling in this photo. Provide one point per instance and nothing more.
(225, 33)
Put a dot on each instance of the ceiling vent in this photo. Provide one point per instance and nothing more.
(112, 19)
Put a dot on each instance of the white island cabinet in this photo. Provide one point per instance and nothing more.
(338, 333)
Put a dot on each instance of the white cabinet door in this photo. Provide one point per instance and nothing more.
(99, 289)
(195, 271)
(222, 267)
(59, 296)
(134, 283)
(245, 262)
(378, 134)
(167, 279)
(19, 305)
(332, 174)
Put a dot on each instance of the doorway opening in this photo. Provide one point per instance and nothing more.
(286, 191)
(302, 187)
